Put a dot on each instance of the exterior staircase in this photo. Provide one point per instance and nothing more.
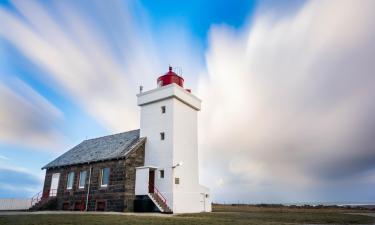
(43, 200)
(160, 203)
(45, 204)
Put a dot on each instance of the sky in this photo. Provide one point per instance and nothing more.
(287, 89)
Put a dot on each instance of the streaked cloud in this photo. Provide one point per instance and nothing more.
(83, 68)
(288, 109)
(27, 118)
(88, 62)
(18, 182)
(3, 157)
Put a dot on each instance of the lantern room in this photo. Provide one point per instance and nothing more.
(169, 78)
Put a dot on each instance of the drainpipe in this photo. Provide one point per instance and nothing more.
(88, 189)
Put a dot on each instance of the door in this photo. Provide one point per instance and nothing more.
(203, 202)
(151, 181)
(54, 184)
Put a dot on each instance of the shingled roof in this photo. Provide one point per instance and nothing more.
(99, 149)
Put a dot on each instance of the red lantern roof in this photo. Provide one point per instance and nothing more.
(169, 78)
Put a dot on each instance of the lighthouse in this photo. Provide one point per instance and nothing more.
(170, 175)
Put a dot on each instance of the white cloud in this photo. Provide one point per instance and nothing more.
(27, 118)
(18, 181)
(88, 62)
(287, 102)
(95, 79)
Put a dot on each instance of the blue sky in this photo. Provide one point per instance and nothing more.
(194, 18)
(276, 83)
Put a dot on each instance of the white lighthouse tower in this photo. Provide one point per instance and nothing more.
(170, 176)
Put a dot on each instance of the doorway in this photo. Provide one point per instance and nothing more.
(151, 181)
(54, 184)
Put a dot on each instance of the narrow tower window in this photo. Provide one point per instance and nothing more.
(162, 136)
(70, 180)
(163, 109)
(161, 173)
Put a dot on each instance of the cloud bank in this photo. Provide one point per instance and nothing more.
(288, 106)
(28, 119)
(97, 58)
(15, 183)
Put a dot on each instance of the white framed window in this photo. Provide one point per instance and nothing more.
(104, 177)
(162, 136)
(70, 180)
(161, 174)
(163, 109)
(82, 179)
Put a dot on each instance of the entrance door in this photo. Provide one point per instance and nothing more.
(203, 201)
(54, 184)
(151, 181)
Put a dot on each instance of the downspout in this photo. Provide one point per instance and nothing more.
(88, 189)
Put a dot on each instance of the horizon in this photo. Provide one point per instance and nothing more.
(287, 89)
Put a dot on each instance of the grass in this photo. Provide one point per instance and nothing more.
(221, 215)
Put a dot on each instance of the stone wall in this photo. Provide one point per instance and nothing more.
(119, 195)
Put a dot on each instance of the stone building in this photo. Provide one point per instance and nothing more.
(105, 166)
(154, 168)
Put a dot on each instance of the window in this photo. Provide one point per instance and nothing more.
(100, 206)
(105, 177)
(82, 179)
(177, 180)
(66, 206)
(79, 206)
(162, 136)
(161, 174)
(69, 183)
(163, 109)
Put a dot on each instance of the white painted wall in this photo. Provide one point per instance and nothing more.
(179, 124)
(158, 153)
(141, 180)
(14, 204)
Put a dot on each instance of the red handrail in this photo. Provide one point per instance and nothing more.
(160, 194)
(43, 195)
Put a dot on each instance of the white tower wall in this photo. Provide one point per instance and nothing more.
(180, 146)
(158, 153)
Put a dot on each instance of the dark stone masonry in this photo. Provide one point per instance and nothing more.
(119, 194)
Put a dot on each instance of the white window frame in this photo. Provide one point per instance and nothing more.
(102, 176)
(84, 181)
(160, 172)
(72, 181)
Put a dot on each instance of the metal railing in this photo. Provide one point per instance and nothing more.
(159, 194)
(42, 196)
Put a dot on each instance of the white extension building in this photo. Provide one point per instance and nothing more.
(170, 175)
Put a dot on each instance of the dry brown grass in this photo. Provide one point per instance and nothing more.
(223, 214)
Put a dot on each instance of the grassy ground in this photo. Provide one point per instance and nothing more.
(222, 215)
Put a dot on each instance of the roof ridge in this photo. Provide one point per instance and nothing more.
(110, 135)
(96, 149)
